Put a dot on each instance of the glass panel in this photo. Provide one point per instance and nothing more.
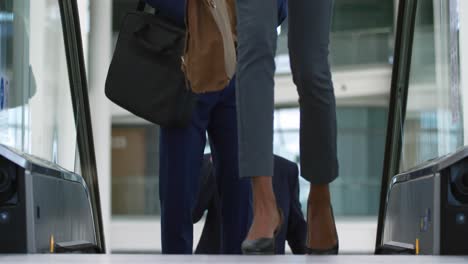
(361, 141)
(135, 170)
(36, 114)
(362, 34)
(433, 124)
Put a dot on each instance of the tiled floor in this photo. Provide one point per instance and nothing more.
(154, 259)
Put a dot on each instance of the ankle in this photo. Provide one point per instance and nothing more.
(319, 195)
(263, 195)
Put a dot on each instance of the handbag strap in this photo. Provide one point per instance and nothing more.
(141, 5)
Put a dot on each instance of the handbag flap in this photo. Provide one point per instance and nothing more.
(210, 55)
(223, 19)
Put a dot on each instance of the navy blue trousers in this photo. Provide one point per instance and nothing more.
(181, 156)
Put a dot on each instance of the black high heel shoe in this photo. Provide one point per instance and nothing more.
(263, 246)
(330, 251)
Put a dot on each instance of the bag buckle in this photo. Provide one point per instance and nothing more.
(211, 3)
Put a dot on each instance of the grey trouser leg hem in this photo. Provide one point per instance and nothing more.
(309, 39)
(257, 20)
(309, 33)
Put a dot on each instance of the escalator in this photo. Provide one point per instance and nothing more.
(49, 193)
(45, 130)
(424, 191)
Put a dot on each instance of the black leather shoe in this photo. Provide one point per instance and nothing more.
(263, 246)
(330, 251)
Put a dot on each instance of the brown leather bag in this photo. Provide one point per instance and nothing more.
(209, 62)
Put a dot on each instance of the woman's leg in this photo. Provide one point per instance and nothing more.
(181, 152)
(257, 21)
(181, 155)
(309, 34)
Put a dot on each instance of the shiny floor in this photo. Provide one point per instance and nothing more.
(115, 258)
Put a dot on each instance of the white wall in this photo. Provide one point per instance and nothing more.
(99, 58)
(367, 86)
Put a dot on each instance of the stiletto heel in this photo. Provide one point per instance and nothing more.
(330, 251)
(263, 246)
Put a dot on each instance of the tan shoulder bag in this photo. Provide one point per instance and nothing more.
(209, 62)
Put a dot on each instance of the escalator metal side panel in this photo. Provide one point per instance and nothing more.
(79, 91)
(397, 108)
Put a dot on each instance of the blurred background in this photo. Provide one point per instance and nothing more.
(39, 118)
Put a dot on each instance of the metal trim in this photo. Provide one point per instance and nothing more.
(436, 214)
(79, 92)
(29, 207)
(397, 108)
(400, 245)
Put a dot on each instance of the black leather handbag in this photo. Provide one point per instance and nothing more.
(145, 75)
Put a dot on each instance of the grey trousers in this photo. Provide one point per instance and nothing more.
(309, 34)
